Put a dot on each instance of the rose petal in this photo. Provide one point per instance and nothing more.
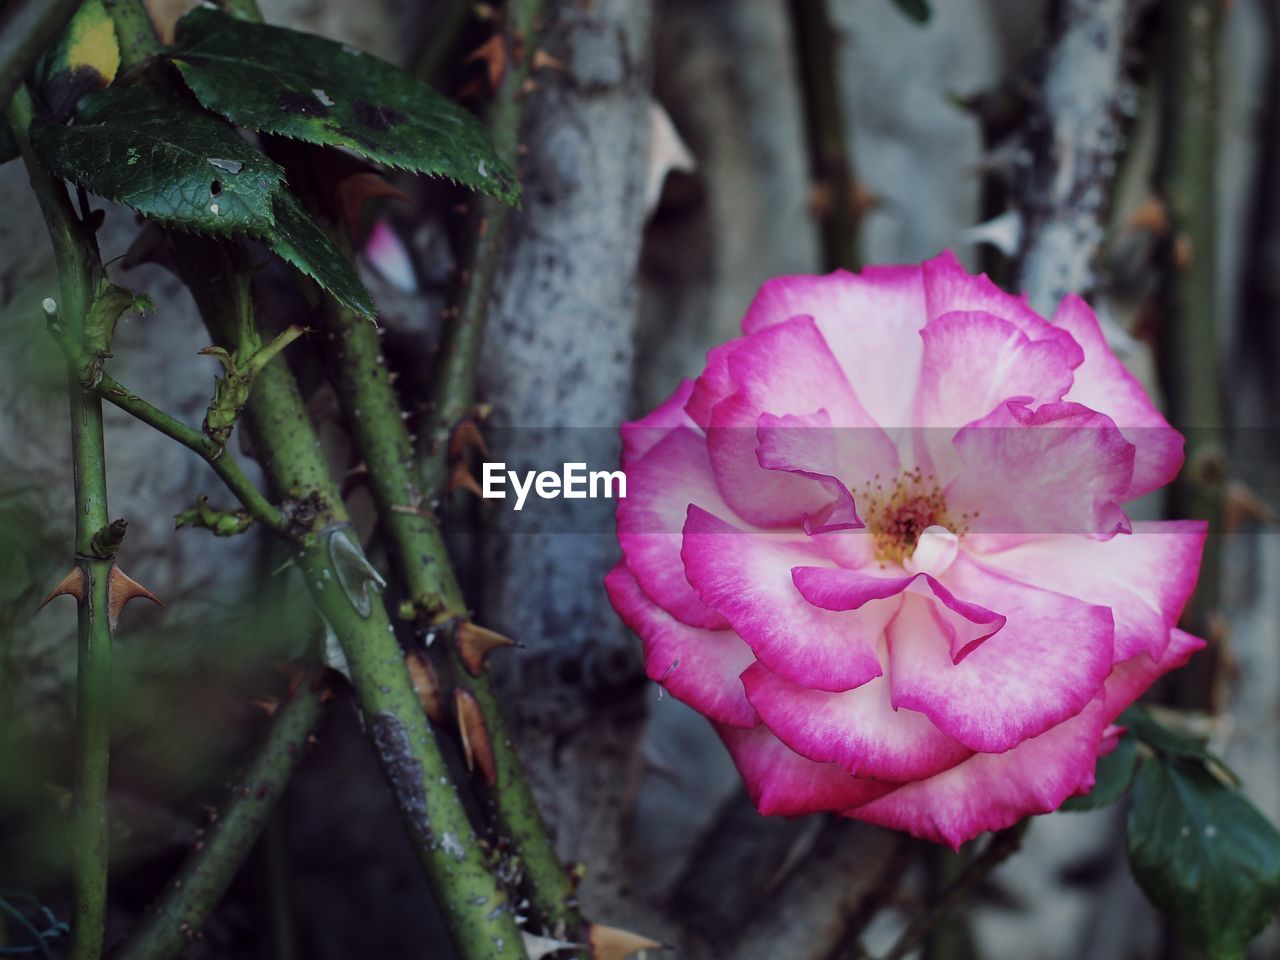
(698, 667)
(660, 488)
(858, 729)
(639, 436)
(785, 369)
(960, 624)
(1042, 667)
(864, 319)
(949, 288)
(747, 578)
(1145, 577)
(1061, 468)
(994, 791)
(1103, 383)
(783, 783)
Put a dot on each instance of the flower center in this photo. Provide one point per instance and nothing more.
(898, 512)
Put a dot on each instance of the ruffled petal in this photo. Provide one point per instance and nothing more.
(639, 436)
(660, 488)
(864, 318)
(858, 729)
(961, 624)
(747, 578)
(784, 369)
(698, 667)
(1042, 667)
(949, 288)
(1103, 383)
(975, 361)
(1145, 578)
(783, 783)
(994, 791)
(1061, 468)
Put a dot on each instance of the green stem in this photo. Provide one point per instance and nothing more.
(28, 29)
(223, 464)
(343, 588)
(79, 268)
(455, 393)
(816, 42)
(177, 916)
(422, 562)
(1188, 347)
(92, 377)
(481, 921)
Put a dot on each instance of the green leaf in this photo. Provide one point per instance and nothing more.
(302, 86)
(1203, 854)
(297, 239)
(917, 10)
(1114, 774)
(165, 160)
(85, 58)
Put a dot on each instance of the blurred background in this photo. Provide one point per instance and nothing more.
(679, 153)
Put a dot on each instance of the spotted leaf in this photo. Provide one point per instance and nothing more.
(298, 85)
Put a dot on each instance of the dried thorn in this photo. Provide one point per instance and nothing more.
(72, 585)
(462, 477)
(475, 643)
(467, 436)
(294, 673)
(121, 588)
(1241, 503)
(1151, 216)
(268, 706)
(357, 190)
(543, 60)
(475, 736)
(425, 685)
(611, 943)
(493, 54)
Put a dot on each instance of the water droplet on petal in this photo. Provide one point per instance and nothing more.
(323, 97)
(482, 169)
(214, 209)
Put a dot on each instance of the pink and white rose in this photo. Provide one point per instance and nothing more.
(881, 543)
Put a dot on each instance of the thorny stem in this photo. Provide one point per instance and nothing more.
(343, 587)
(1188, 347)
(835, 197)
(223, 464)
(340, 581)
(79, 270)
(455, 389)
(999, 848)
(422, 562)
(176, 917)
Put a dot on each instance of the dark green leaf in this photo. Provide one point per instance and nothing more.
(297, 239)
(1160, 736)
(1114, 774)
(1203, 854)
(164, 159)
(917, 10)
(298, 85)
